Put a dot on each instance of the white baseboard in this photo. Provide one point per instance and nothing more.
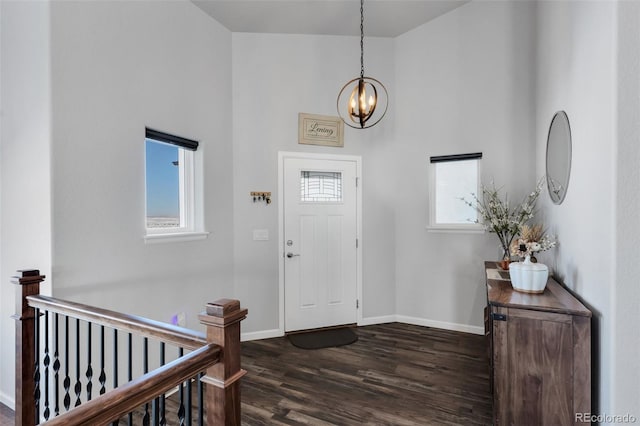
(259, 335)
(8, 400)
(440, 324)
(384, 319)
(378, 320)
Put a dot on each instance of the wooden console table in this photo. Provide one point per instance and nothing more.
(540, 352)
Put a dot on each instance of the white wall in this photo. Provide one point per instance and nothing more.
(464, 85)
(457, 84)
(25, 218)
(274, 78)
(626, 397)
(576, 72)
(116, 68)
(5, 334)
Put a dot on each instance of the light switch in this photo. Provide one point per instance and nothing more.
(260, 235)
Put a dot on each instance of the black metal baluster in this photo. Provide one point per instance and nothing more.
(181, 413)
(145, 360)
(67, 379)
(47, 361)
(115, 358)
(200, 400)
(189, 405)
(56, 364)
(89, 372)
(115, 365)
(36, 367)
(155, 411)
(130, 369)
(163, 418)
(78, 387)
(103, 376)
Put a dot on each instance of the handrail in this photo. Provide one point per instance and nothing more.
(126, 398)
(179, 336)
(217, 356)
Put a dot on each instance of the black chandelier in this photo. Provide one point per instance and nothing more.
(365, 94)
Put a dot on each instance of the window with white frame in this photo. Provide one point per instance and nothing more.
(170, 184)
(452, 178)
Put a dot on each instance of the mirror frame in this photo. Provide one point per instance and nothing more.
(560, 115)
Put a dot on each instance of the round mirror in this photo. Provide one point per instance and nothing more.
(558, 156)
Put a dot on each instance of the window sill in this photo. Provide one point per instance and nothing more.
(461, 229)
(175, 237)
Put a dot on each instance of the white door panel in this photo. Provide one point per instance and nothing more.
(320, 231)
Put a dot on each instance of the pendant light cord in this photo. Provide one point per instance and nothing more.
(361, 38)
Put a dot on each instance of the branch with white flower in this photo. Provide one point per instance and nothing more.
(499, 217)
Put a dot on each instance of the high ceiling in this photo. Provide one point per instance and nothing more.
(382, 18)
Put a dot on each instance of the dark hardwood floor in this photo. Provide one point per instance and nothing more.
(6, 416)
(395, 374)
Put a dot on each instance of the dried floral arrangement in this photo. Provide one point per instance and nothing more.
(533, 239)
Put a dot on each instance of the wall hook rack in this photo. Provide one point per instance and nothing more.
(261, 196)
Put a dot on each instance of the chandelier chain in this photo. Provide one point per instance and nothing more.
(361, 38)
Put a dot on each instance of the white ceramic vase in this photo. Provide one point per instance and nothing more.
(528, 277)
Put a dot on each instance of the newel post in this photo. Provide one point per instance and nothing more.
(29, 284)
(222, 319)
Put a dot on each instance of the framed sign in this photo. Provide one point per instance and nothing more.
(323, 130)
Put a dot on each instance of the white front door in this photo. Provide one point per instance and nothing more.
(320, 242)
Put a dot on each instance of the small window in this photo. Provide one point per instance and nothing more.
(170, 184)
(454, 177)
(321, 187)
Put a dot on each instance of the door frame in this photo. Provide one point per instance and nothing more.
(282, 155)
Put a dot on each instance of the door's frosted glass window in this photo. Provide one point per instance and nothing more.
(455, 180)
(321, 186)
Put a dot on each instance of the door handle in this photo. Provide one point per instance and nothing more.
(290, 255)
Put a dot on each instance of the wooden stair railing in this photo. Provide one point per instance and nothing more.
(117, 403)
(217, 353)
(188, 339)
